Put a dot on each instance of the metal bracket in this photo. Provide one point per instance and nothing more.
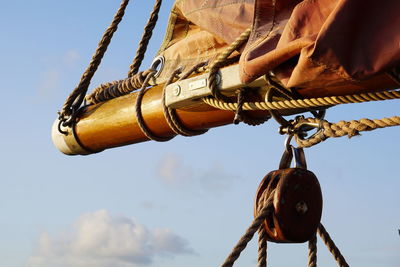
(185, 93)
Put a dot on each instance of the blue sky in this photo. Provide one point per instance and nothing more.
(183, 202)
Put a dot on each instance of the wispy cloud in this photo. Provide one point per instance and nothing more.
(98, 239)
(173, 171)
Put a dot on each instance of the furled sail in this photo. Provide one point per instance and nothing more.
(310, 48)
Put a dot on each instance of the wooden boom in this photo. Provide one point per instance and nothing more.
(114, 123)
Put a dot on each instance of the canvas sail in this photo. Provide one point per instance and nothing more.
(319, 47)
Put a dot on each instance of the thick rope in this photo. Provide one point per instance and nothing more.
(76, 98)
(170, 114)
(146, 131)
(312, 252)
(331, 246)
(148, 31)
(306, 103)
(262, 247)
(221, 61)
(342, 128)
(262, 234)
(246, 238)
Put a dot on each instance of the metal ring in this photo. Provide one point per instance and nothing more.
(158, 65)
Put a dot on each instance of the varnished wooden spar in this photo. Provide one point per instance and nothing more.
(113, 123)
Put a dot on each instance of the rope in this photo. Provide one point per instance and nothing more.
(75, 99)
(262, 247)
(115, 89)
(170, 114)
(331, 246)
(255, 225)
(342, 128)
(148, 32)
(146, 131)
(305, 103)
(264, 209)
(222, 61)
(242, 116)
(312, 252)
(262, 233)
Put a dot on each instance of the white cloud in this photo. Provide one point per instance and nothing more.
(172, 170)
(214, 178)
(97, 239)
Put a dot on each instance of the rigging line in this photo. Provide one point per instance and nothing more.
(307, 102)
(148, 32)
(75, 99)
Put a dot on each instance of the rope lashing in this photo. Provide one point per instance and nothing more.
(170, 115)
(221, 61)
(115, 89)
(75, 99)
(139, 116)
(242, 116)
(343, 128)
(306, 103)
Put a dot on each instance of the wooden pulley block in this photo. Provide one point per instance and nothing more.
(297, 200)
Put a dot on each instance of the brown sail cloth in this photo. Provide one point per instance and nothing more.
(319, 47)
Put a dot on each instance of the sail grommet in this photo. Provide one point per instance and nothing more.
(297, 201)
(157, 65)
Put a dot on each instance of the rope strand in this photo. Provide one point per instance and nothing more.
(148, 32)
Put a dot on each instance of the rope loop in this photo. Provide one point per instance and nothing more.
(139, 116)
(170, 114)
(221, 61)
(243, 116)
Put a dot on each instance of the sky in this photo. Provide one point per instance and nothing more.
(179, 203)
